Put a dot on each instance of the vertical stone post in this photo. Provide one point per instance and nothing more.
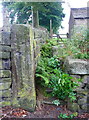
(23, 86)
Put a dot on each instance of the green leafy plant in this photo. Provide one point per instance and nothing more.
(77, 46)
(71, 116)
(56, 102)
(63, 85)
(50, 75)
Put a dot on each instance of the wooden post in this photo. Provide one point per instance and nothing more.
(35, 18)
(51, 31)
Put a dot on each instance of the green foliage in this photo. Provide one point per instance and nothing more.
(46, 68)
(77, 46)
(51, 75)
(71, 116)
(47, 11)
(56, 102)
(46, 50)
(63, 86)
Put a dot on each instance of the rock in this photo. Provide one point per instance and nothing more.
(83, 100)
(5, 80)
(5, 73)
(5, 93)
(5, 38)
(5, 64)
(85, 108)
(55, 50)
(76, 66)
(4, 86)
(85, 79)
(5, 48)
(4, 55)
(73, 107)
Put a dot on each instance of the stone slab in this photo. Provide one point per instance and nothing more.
(4, 55)
(5, 64)
(2, 80)
(76, 66)
(86, 79)
(19, 34)
(5, 73)
(5, 38)
(4, 86)
(5, 48)
(5, 93)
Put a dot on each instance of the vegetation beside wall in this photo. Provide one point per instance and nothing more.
(50, 74)
(77, 46)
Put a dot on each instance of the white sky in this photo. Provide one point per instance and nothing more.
(67, 5)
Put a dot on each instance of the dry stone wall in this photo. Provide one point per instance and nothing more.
(5, 62)
(79, 68)
(5, 68)
(19, 54)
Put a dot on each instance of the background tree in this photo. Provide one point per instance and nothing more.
(47, 10)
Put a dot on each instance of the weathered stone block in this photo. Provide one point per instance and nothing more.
(85, 79)
(5, 80)
(5, 73)
(5, 48)
(5, 93)
(85, 108)
(37, 33)
(5, 64)
(19, 34)
(5, 38)
(76, 66)
(4, 55)
(5, 85)
(73, 107)
(83, 100)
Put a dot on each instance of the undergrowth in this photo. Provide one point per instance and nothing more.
(77, 45)
(49, 74)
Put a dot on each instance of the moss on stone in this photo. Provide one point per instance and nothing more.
(5, 103)
(4, 86)
(5, 73)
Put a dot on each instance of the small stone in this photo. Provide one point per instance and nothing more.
(85, 79)
(73, 107)
(85, 108)
(82, 101)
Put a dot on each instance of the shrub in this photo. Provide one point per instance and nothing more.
(50, 75)
(77, 46)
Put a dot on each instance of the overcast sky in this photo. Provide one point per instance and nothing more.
(67, 5)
